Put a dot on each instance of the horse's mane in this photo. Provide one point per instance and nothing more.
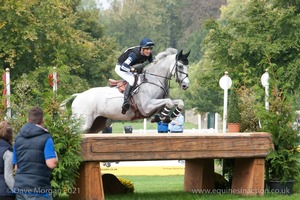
(168, 51)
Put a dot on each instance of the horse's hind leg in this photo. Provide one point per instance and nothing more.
(84, 120)
(98, 125)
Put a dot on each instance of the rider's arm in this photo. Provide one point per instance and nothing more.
(180, 120)
(126, 64)
(50, 154)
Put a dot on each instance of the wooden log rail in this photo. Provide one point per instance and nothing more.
(249, 151)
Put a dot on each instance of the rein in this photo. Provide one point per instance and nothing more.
(157, 75)
(178, 71)
(166, 88)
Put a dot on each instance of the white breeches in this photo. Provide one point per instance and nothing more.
(127, 76)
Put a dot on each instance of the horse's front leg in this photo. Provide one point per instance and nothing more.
(167, 105)
(155, 104)
(179, 106)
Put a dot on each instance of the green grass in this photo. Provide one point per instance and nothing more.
(118, 127)
(171, 188)
(141, 183)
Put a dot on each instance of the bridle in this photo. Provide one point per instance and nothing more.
(161, 85)
(177, 71)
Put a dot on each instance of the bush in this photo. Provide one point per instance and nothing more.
(28, 92)
(249, 99)
(221, 182)
(283, 161)
(234, 115)
(67, 140)
(129, 187)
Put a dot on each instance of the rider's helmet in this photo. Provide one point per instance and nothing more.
(146, 43)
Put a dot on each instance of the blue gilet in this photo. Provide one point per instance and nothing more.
(32, 175)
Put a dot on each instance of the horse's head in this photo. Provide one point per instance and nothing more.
(181, 70)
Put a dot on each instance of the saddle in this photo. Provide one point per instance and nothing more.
(121, 85)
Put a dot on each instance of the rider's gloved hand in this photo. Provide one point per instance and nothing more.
(137, 68)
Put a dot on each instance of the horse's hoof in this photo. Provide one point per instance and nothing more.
(124, 111)
(167, 120)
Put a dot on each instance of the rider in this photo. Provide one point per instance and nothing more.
(127, 65)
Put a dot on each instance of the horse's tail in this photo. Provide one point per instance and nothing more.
(67, 102)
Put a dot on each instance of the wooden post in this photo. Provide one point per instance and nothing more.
(248, 176)
(89, 185)
(199, 174)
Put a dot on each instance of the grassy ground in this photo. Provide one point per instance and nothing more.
(171, 188)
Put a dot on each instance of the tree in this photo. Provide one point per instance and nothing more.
(193, 15)
(51, 33)
(204, 94)
(158, 20)
(245, 45)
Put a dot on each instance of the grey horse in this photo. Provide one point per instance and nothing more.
(98, 104)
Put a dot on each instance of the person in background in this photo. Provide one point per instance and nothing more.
(177, 124)
(34, 158)
(6, 167)
(162, 127)
(131, 61)
(108, 126)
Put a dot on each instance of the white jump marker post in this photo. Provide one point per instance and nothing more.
(225, 83)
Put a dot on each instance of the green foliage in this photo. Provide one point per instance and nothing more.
(29, 92)
(283, 161)
(204, 93)
(30, 88)
(67, 140)
(233, 115)
(54, 33)
(158, 20)
(244, 45)
(249, 105)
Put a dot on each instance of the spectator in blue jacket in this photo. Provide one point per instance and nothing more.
(162, 126)
(177, 124)
(34, 157)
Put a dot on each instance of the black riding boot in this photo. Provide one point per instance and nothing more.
(126, 103)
